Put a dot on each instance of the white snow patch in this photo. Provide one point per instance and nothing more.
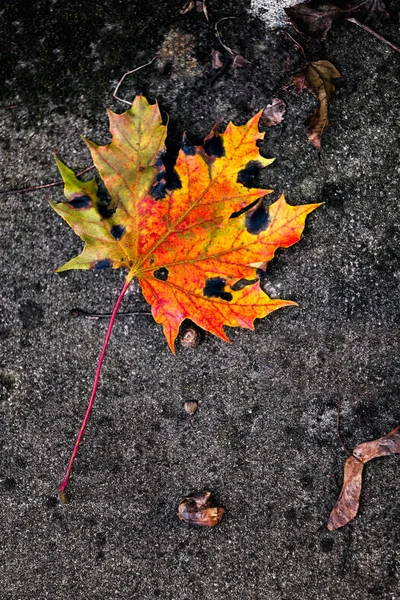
(272, 11)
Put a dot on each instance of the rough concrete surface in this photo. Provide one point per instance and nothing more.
(264, 438)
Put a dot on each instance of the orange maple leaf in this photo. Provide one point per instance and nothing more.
(187, 241)
(180, 240)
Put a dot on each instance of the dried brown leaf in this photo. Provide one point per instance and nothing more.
(317, 77)
(347, 504)
(274, 113)
(300, 82)
(314, 18)
(197, 509)
(199, 5)
(384, 446)
(239, 62)
(313, 22)
(216, 59)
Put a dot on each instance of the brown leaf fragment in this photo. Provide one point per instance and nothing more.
(384, 446)
(346, 507)
(317, 78)
(313, 22)
(199, 5)
(273, 113)
(314, 18)
(190, 5)
(216, 59)
(347, 504)
(202, 7)
(300, 82)
(197, 509)
(239, 62)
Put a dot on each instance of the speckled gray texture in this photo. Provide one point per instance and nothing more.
(264, 438)
(272, 12)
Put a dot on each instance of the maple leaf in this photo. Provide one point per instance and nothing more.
(186, 239)
(180, 242)
(346, 507)
(314, 18)
(317, 77)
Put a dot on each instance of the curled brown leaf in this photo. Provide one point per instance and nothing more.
(346, 507)
(317, 77)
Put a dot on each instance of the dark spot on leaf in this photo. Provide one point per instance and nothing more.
(257, 220)
(326, 544)
(173, 181)
(242, 283)
(105, 263)
(247, 175)
(186, 148)
(161, 274)
(214, 146)
(105, 206)
(160, 175)
(158, 191)
(117, 231)
(214, 288)
(243, 210)
(159, 161)
(80, 203)
(106, 211)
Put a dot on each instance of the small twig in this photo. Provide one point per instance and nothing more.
(45, 185)
(338, 429)
(297, 44)
(374, 33)
(219, 35)
(205, 11)
(125, 75)
(79, 312)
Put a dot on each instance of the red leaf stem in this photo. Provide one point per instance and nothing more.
(62, 488)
